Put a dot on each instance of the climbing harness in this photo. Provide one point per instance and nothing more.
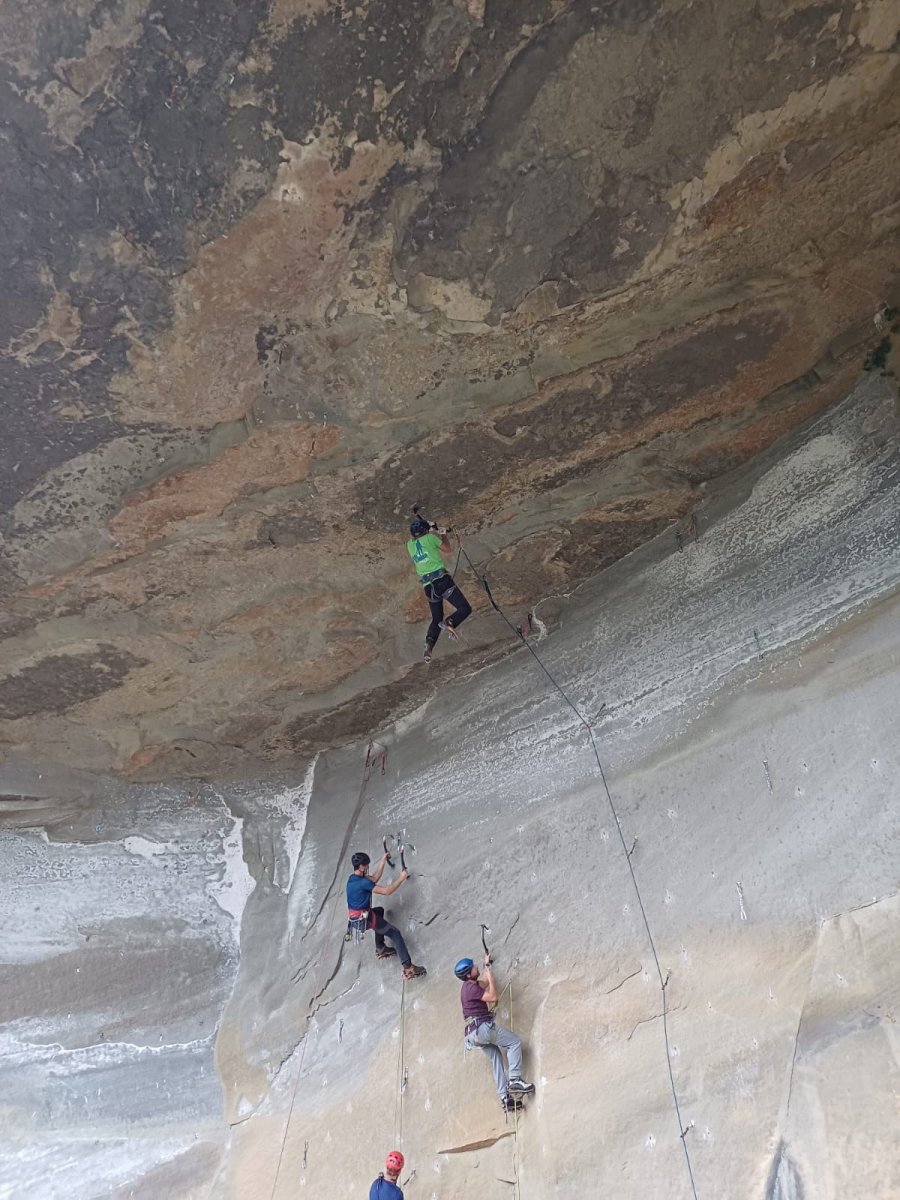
(432, 577)
(683, 1129)
(358, 922)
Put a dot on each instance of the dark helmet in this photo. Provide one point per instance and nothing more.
(418, 526)
(360, 860)
(463, 967)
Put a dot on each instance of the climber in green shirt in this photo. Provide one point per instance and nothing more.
(426, 547)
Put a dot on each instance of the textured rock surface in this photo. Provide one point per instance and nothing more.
(274, 272)
(750, 686)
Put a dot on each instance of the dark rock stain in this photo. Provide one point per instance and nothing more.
(328, 67)
(525, 198)
(150, 167)
(473, 459)
(60, 681)
(288, 529)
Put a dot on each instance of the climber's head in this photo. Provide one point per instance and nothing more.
(393, 1164)
(418, 526)
(360, 859)
(463, 969)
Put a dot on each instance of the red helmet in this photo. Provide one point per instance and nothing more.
(394, 1162)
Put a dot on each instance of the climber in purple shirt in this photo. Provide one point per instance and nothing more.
(478, 992)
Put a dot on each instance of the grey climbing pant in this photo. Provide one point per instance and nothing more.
(493, 1039)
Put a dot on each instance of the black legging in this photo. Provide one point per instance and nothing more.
(382, 930)
(436, 593)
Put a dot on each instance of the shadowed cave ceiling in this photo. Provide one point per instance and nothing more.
(275, 272)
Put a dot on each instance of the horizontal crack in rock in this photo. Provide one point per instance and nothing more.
(483, 1144)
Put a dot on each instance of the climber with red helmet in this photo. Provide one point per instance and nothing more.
(385, 1186)
(478, 993)
(425, 547)
(360, 888)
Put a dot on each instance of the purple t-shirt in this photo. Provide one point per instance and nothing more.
(472, 998)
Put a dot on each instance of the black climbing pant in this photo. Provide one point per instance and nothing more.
(382, 930)
(436, 593)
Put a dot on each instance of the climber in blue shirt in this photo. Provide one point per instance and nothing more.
(385, 1186)
(360, 889)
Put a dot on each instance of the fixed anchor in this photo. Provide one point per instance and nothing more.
(375, 754)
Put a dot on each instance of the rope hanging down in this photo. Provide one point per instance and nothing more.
(313, 1006)
(663, 981)
(402, 1075)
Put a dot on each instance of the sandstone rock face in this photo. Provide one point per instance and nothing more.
(182, 1018)
(276, 272)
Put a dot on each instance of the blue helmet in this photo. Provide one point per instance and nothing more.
(418, 526)
(463, 967)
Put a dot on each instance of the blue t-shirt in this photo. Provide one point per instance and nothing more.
(383, 1189)
(359, 891)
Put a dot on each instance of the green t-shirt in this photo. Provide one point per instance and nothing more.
(425, 553)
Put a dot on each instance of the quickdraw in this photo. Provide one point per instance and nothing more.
(356, 929)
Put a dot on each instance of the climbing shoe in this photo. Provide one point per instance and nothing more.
(429, 646)
(519, 1087)
(412, 971)
(451, 632)
(385, 952)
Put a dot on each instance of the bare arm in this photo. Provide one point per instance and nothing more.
(392, 887)
(445, 547)
(490, 992)
(379, 870)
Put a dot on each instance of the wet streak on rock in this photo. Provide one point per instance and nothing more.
(784, 1182)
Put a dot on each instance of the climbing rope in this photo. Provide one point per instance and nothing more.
(401, 1071)
(515, 1107)
(663, 981)
(316, 993)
